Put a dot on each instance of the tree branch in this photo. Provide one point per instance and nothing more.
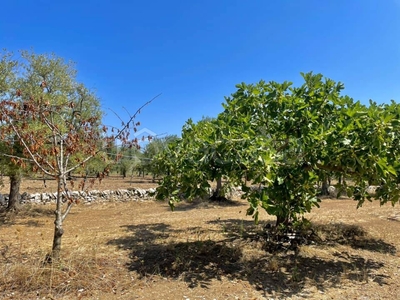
(70, 204)
(22, 140)
(134, 116)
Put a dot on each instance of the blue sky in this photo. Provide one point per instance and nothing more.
(195, 51)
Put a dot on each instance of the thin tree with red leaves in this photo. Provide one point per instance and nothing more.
(57, 122)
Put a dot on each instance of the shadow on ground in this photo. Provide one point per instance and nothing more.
(8, 218)
(207, 204)
(352, 235)
(323, 234)
(141, 181)
(153, 251)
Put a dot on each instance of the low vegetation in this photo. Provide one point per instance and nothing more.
(202, 250)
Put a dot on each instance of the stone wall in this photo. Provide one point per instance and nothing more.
(134, 194)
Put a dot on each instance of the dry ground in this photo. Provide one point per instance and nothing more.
(142, 250)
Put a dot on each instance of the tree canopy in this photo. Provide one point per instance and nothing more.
(54, 122)
(278, 141)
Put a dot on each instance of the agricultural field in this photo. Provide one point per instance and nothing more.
(202, 250)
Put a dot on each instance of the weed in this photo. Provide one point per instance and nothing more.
(296, 277)
(273, 264)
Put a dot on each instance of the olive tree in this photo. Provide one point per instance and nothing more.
(152, 149)
(128, 160)
(7, 82)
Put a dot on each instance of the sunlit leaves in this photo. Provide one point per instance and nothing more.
(282, 140)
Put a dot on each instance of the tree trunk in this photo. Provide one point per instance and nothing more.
(342, 183)
(324, 188)
(58, 233)
(58, 222)
(282, 219)
(13, 199)
(217, 192)
(219, 186)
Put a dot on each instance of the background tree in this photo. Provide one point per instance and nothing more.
(152, 149)
(14, 172)
(8, 67)
(278, 141)
(128, 161)
(201, 156)
(57, 122)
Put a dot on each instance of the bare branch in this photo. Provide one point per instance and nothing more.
(69, 206)
(134, 116)
(130, 116)
(115, 137)
(22, 140)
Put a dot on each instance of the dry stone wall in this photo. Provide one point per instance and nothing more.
(134, 194)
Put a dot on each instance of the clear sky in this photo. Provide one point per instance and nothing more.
(195, 51)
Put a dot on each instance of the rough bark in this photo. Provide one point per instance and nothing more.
(58, 225)
(58, 233)
(282, 220)
(217, 192)
(219, 185)
(324, 188)
(13, 201)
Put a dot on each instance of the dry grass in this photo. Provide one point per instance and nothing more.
(142, 250)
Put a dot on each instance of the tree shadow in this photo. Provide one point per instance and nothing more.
(340, 198)
(194, 262)
(242, 229)
(155, 250)
(294, 274)
(206, 204)
(6, 219)
(144, 180)
(322, 234)
(143, 234)
(33, 223)
(9, 218)
(352, 235)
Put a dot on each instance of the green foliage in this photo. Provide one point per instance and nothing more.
(154, 148)
(278, 141)
(8, 67)
(52, 123)
(129, 162)
(44, 107)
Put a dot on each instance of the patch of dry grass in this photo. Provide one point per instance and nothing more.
(142, 250)
(81, 273)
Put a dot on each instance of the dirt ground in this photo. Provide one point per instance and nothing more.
(202, 250)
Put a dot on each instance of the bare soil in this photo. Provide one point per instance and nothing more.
(202, 250)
